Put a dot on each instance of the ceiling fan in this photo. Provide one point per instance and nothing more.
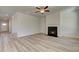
(42, 9)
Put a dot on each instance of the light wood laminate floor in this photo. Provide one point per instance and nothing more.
(37, 43)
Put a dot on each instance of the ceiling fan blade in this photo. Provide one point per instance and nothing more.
(47, 11)
(46, 7)
(37, 8)
(37, 11)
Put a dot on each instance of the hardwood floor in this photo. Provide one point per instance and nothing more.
(37, 43)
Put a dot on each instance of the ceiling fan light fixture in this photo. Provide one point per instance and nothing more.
(42, 11)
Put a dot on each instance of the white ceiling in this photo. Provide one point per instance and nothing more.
(10, 10)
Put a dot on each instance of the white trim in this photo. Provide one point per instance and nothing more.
(77, 37)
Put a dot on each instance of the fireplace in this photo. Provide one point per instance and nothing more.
(52, 31)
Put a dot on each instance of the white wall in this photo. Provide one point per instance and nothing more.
(25, 24)
(43, 24)
(69, 22)
(52, 20)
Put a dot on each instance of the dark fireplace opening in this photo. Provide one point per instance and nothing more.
(52, 31)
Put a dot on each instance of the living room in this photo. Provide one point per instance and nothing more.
(24, 22)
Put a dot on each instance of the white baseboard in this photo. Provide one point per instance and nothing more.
(22, 35)
(70, 36)
(74, 37)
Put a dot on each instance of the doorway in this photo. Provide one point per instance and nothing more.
(4, 25)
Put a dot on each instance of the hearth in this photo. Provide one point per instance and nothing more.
(52, 31)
